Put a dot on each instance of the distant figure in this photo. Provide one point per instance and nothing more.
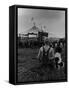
(56, 44)
(61, 44)
(51, 45)
(46, 54)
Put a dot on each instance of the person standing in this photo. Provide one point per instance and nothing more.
(46, 54)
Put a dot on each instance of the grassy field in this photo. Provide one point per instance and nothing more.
(28, 68)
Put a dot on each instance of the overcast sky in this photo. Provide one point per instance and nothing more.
(53, 20)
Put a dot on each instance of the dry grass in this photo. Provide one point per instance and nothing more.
(28, 68)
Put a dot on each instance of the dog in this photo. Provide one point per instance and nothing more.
(58, 61)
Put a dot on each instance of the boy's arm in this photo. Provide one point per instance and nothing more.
(40, 54)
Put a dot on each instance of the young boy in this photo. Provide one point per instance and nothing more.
(46, 54)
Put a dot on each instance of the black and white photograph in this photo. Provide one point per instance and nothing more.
(41, 45)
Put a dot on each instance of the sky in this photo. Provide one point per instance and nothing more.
(52, 20)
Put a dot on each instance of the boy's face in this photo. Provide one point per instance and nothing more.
(46, 41)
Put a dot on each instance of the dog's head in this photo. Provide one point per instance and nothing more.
(56, 59)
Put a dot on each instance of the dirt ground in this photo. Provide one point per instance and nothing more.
(28, 68)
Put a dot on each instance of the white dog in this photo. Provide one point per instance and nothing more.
(58, 61)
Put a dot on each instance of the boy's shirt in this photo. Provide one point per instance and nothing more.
(50, 55)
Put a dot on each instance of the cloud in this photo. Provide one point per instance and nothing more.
(54, 20)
